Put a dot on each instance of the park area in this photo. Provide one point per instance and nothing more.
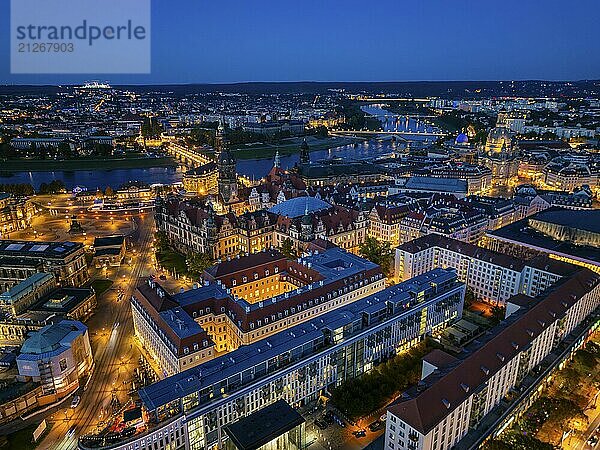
(361, 396)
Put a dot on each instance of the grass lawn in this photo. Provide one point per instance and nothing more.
(171, 260)
(20, 165)
(101, 286)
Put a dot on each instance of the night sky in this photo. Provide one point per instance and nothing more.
(201, 41)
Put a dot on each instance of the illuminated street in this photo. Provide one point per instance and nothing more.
(115, 354)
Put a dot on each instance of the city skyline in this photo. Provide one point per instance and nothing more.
(384, 42)
(277, 225)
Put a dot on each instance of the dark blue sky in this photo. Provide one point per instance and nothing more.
(202, 41)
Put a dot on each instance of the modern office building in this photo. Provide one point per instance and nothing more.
(298, 364)
(57, 356)
(456, 394)
(564, 234)
(276, 427)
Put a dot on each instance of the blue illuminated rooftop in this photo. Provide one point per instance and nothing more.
(297, 207)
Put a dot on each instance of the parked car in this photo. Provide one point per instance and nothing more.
(321, 424)
(75, 401)
(328, 417)
(359, 433)
(374, 426)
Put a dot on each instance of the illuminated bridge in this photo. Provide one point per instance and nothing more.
(188, 156)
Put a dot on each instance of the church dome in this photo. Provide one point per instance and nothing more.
(462, 138)
(499, 140)
(299, 206)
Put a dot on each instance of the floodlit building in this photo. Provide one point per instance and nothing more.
(109, 250)
(15, 214)
(20, 297)
(566, 175)
(21, 259)
(296, 364)
(493, 277)
(304, 219)
(244, 300)
(454, 398)
(202, 180)
(57, 356)
(385, 220)
(500, 156)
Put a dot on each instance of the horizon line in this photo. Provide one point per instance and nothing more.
(233, 83)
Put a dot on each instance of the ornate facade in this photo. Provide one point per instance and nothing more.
(15, 214)
(500, 156)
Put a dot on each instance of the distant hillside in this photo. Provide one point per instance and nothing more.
(446, 89)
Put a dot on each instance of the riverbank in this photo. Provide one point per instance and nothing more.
(42, 165)
(289, 147)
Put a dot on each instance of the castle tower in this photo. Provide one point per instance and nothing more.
(306, 225)
(304, 153)
(277, 162)
(227, 184)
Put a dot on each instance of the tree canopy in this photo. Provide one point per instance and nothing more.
(380, 253)
(198, 262)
